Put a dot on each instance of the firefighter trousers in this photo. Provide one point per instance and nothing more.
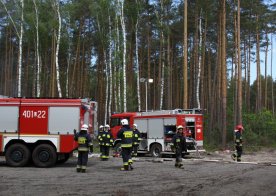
(82, 159)
(135, 150)
(126, 154)
(178, 156)
(105, 152)
(239, 152)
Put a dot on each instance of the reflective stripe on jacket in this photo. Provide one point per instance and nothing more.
(106, 139)
(84, 141)
(126, 136)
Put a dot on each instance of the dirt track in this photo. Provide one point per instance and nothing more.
(199, 177)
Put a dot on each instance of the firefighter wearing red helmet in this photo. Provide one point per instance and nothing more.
(179, 144)
(85, 145)
(126, 136)
(238, 143)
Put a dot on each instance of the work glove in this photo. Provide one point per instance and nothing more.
(91, 149)
(173, 148)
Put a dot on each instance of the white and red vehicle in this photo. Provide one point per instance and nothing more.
(158, 127)
(42, 130)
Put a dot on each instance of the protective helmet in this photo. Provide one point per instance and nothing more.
(180, 127)
(135, 126)
(84, 127)
(124, 122)
(107, 126)
(239, 127)
(101, 126)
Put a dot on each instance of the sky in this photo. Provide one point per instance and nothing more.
(262, 64)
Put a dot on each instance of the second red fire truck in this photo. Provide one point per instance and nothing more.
(158, 127)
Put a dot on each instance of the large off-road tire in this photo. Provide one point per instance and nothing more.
(44, 155)
(17, 155)
(156, 150)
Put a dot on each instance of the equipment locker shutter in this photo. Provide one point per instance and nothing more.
(9, 118)
(156, 128)
(142, 125)
(63, 119)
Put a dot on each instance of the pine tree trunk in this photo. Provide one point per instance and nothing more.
(258, 96)
(223, 74)
(239, 112)
(185, 57)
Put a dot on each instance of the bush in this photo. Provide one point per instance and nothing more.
(260, 129)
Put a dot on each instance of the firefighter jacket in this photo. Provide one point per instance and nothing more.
(126, 136)
(100, 139)
(179, 142)
(106, 139)
(84, 141)
(238, 138)
(136, 137)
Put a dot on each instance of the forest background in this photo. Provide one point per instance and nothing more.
(198, 53)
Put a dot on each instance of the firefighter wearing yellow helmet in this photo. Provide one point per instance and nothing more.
(179, 143)
(85, 145)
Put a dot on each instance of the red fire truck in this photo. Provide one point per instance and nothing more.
(158, 127)
(41, 130)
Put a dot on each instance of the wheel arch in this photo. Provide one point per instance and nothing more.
(14, 141)
(156, 143)
(39, 142)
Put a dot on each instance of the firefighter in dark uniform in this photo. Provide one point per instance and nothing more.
(85, 145)
(136, 140)
(238, 143)
(126, 136)
(179, 144)
(100, 139)
(107, 142)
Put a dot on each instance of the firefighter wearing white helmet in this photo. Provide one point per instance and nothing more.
(100, 139)
(106, 142)
(179, 144)
(136, 140)
(85, 145)
(126, 136)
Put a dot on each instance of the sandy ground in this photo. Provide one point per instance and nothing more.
(211, 174)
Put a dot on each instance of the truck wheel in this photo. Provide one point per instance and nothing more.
(44, 155)
(156, 150)
(17, 155)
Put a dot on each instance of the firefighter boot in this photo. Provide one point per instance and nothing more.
(130, 166)
(83, 170)
(78, 169)
(125, 168)
(180, 165)
(238, 159)
(234, 156)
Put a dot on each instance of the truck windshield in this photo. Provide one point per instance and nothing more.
(115, 122)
